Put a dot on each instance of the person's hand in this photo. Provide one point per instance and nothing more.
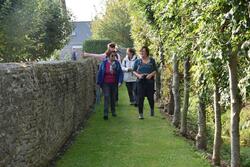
(85, 54)
(120, 84)
(82, 54)
(130, 69)
(140, 76)
(149, 76)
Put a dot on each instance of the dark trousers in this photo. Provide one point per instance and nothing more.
(145, 88)
(116, 93)
(131, 87)
(109, 92)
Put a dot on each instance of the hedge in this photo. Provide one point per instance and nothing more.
(95, 46)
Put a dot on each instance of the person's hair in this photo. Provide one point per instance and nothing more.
(111, 45)
(131, 50)
(146, 49)
(108, 52)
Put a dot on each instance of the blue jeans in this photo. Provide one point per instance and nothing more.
(98, 94)
(109, 92)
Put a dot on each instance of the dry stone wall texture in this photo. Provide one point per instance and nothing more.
(41, 105)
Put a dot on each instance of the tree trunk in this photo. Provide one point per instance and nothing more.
(171, 102)
(186, 96)
(235, 111)
(175, 88)
(158, 76)
(201, 137)
(158, 84)
(217, 132)
(161, 53)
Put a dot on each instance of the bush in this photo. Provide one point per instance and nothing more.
(245, 156)
(95, 46)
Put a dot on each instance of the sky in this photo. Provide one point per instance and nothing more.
(85, 10)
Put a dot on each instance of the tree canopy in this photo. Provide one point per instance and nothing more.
(114, 24)
(32, 30)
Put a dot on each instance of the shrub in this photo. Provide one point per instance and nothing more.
(95, 46)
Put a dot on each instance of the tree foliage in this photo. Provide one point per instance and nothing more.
(209, 32)
(114, 24)
(32, 30)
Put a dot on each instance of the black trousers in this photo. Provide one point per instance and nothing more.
(145, 88)
(116, 93)
(131, 87)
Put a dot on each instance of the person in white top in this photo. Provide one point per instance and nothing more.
(129, 77)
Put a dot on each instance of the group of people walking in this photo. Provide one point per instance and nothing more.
(138, 73)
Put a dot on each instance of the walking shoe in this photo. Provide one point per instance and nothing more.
(114, 115)
(135, 105)
(105, 117)
(141, 116)
(132, 103)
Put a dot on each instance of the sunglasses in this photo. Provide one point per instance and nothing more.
(112, 46)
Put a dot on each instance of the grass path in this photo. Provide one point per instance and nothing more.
(126, 141)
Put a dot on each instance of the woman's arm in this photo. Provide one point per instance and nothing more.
(152, 74)
(138, 75)
(92, 54)
(124, 69)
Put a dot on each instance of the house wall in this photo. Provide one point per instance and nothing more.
(81, 32)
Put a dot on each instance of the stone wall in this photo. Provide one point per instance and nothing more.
(41, 105)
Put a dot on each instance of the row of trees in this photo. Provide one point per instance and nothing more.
(32, 30)
(212, 39)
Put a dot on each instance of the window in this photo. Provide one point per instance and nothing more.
(76, 47)
(73, 33)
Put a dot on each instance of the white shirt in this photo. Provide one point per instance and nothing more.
(126, 65)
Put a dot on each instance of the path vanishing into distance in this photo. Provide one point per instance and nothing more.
(126, 141)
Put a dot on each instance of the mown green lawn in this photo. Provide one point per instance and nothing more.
(126, 141)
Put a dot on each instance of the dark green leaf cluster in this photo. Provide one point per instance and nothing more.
(95, 46)
(32, 30)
